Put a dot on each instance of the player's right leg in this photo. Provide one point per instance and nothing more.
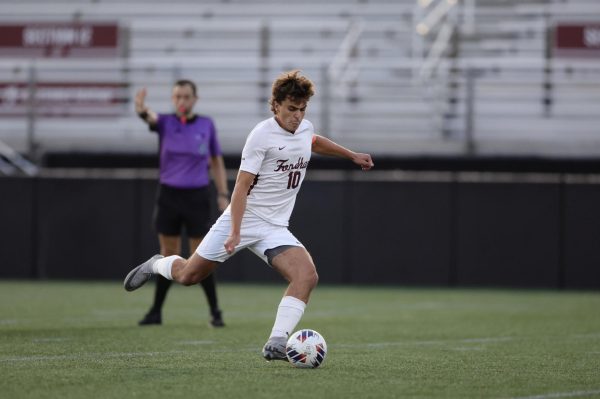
(202, 263)
(186, 272)
(191, 271)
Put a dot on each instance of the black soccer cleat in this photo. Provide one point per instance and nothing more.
(150, 319)
(217, 320)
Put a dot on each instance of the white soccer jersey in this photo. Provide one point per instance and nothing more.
(279, 160)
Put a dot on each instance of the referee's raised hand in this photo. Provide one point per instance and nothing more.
(140, 99)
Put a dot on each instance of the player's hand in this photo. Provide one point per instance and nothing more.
(363, 160)
(140, 99)
(232, 241)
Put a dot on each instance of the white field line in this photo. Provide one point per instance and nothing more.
(465, 349)
(113, 355)
(41, 358)
(195, 342)
(591, 335)
(430, 342)
(50, 339)
(484, 340)
(96, 356)
(573, 394)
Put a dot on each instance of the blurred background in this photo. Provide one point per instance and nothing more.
(482, 116)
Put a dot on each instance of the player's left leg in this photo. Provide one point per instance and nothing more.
(296, 266)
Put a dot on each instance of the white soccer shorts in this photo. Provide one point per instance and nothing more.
(256, 234)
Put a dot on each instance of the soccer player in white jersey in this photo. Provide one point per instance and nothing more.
(273, 166)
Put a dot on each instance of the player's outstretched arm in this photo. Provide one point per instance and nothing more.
(323, 146)
(149, 116)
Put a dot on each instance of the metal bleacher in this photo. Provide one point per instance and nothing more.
(527, 101)
(493, 88)
(233, 50)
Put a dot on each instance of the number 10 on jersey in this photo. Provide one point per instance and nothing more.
(294, 179)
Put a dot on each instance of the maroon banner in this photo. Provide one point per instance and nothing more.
(64, 99)
(577, 40)
(59, 40)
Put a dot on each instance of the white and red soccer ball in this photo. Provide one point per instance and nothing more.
(306, 349)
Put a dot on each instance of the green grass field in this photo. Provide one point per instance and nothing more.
(81, 340)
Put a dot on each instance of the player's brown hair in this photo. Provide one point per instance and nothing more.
(291, 85)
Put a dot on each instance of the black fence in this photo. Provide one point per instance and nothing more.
(393, 228)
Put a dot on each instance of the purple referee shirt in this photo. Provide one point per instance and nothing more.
(185, 150)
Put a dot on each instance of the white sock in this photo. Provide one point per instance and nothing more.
(289, 313)
(163, 266)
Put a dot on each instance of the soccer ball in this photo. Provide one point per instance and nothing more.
(306, 349)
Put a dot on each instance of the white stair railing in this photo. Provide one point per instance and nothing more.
(438, 15)
(343, 70)
(433, 17)
(436, 52)
(13, 161)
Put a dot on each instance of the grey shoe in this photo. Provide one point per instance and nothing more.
(274, 349)
(138, 276)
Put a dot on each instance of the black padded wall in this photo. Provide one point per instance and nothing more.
(86, 228)
(508, 234)
(399, 233)
(419, 233)
(17, 228)
(582, 236)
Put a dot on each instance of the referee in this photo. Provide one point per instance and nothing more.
(189, 154)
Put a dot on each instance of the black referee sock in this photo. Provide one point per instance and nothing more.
(163, 285)
(160, 294)
(210, 289)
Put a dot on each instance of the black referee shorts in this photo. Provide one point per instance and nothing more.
(178, 208)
